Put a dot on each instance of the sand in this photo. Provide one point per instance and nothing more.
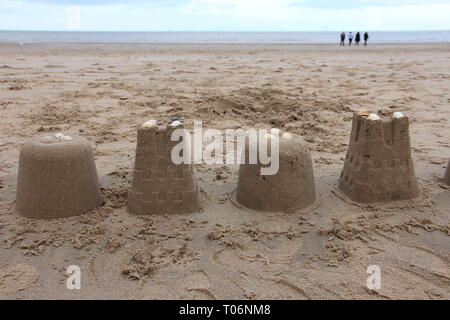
(225, 251)
(292, 189)
(159, 185)
(378, 165)
(447, 174)
(57, 178)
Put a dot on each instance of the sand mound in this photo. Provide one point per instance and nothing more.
(291, 189)
(378, 165)
(57, 178)
(159, 185)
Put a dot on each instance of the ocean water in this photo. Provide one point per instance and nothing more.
(26, 37)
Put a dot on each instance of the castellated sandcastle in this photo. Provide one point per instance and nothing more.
(447, 174)
(291, 189)
(57, 178)
(159, 185)
(378, 166)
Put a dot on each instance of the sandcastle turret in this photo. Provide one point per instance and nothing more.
(159, 185)
(447, 174)
(378, 166)
(291, 189)
(57, 178)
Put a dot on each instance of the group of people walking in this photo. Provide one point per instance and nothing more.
(350, 38)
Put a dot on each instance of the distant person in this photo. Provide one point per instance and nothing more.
(342, 39)
(357, 39)
(366, 37)
(350, 38)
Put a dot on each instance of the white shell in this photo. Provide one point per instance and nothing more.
(275, 131)
(287, 136)
(62, 137)
(373, 116)
(150, 123)
(398, 115)
(66, 138)
(176, 123)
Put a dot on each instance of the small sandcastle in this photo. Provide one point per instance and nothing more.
(57, 178)
(159, 185)
(378, 166)
(447, 174)
(291, 189)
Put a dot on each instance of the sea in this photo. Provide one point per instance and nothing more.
(30, 37)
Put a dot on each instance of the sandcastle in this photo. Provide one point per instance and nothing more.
(57, 178)
(291, 189)
(378, 166)
(159, 185)
(447, 174)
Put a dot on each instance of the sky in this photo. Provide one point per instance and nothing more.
(224, 15)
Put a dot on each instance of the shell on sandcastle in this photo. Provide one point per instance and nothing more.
(447, 174)
(159, 185)
(378, 166)
(57, 178)
(291, 189)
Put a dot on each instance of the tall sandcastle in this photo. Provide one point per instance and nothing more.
(57, 178)
(447, 174)
(291, 189)
(378, 166)
(159, 185)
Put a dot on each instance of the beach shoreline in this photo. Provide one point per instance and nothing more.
(214, 37)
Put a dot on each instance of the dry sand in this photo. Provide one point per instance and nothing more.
(226, 252)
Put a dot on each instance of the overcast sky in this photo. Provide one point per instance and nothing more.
(224, 15)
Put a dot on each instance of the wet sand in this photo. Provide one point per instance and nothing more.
(226, 251)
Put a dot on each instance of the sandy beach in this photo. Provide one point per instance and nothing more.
(105, 92)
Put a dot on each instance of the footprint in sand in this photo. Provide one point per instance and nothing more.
(16, 277)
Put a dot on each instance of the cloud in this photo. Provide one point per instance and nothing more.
(249, 8)
(65, 3)
(355, 4)
(227, 15)
(323, 4)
